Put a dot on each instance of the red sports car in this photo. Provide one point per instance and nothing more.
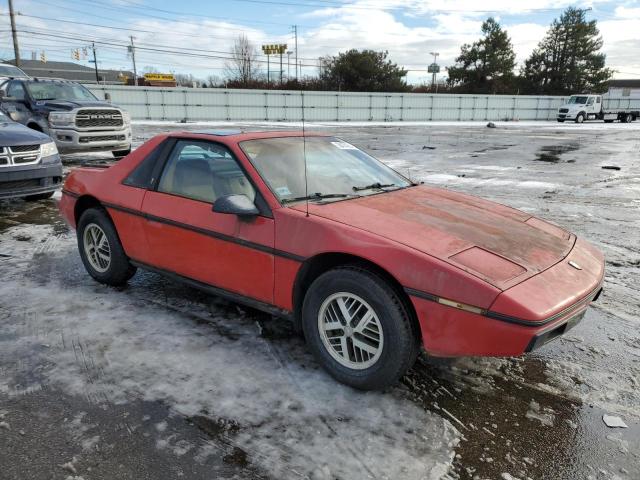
(368, 264)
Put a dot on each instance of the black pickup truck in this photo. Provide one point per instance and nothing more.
(69, 113)
(30, 166)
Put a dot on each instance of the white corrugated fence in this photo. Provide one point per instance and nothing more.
(202, 104)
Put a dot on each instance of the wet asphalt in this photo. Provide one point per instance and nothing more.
(537, 417)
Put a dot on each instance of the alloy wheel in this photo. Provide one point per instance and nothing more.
(350, 330)
(96, 247)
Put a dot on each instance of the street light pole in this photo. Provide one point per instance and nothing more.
(434, 73)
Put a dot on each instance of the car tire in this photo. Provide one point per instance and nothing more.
(628, 118)
(105, 262)
(580, 118)
(121, 153)
(39, 196)
(608, 121)
(560, 121)
(373, 361)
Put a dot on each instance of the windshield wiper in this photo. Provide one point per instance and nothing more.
(374, 185)
(319, 196)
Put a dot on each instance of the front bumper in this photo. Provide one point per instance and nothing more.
(70, 140)
(567, 116)
(30, 180)
(523, 317)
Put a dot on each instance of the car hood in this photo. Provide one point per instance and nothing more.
(68, 105)
(499, 244)
(12, 133)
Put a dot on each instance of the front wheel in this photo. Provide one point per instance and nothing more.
(560, 120)
(100, 249)
(358, 328)
(580, 118)
(121, 153)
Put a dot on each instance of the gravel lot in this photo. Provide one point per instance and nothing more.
(158, 381)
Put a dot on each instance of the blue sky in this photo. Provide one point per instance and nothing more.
(196, 37)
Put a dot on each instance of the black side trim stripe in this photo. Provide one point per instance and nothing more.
(70, 193)
(208, 233)
(220, 292)
(501, 317)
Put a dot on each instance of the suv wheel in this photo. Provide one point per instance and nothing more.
(580, 118)
(358, 328)
(100, 249)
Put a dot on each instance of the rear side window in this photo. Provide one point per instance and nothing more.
(142, 175)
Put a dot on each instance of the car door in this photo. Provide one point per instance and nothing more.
(187, 238)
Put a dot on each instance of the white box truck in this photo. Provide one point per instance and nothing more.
(583, 107)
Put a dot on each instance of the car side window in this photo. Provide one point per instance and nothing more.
(142, 175)
(16, 90)
(203, 171)
(590, 101)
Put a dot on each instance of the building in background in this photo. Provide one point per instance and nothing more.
(624, 88)
(72, 71)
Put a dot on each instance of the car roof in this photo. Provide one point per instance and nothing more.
(236, 136)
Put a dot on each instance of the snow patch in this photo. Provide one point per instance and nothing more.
(127, 345)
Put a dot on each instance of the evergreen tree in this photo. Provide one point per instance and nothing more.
(362, 71)
(567, 60)
(487, 65)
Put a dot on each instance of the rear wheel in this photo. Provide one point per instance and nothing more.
(628, 118)
(608, 121)
(358, 328)
(100, 249)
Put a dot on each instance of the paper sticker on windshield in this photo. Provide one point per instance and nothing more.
(283, 191)
(343, 145)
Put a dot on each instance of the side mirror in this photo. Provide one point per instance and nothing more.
(107, 96)
(239, 205)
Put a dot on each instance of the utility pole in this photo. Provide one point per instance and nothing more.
(14, 33)
(281, 66)
(289, 64)
(132, 48)
(95, 62)
(295, 32)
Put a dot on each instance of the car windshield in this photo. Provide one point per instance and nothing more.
(578, 99)
(334, 168)
(59, 91)
(11, 71)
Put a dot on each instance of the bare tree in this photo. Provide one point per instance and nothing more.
(243, 65)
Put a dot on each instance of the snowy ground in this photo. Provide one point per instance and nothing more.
(157, 380)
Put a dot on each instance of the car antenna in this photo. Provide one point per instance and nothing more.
(304, 156)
